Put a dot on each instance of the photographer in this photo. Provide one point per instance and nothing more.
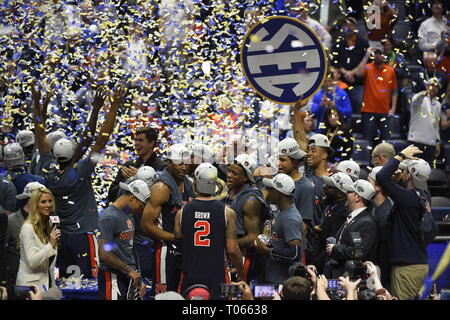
(359, 221)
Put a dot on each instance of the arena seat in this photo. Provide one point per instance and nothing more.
(438, 183)
(398, 144)
(395, 128)
(362, 151)
(440, 202)
(356, 125)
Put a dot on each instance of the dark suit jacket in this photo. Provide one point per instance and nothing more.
(366, 225)
(154, 161)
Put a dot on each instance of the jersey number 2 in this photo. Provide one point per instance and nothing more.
(199, 236)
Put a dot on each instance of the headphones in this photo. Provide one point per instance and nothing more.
(195, 286)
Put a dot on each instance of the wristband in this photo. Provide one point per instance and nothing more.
(402, 155)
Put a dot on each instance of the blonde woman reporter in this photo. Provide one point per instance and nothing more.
(38, 242)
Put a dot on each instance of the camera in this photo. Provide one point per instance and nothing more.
(230, 291)
(23, 292)
(299, 270)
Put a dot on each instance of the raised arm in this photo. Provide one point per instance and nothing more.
(299, 130)
(89, 131)
(360, 70)
(39, 123)
(108, 125)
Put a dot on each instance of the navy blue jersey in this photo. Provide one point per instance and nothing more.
(203, 225)
(176, 200)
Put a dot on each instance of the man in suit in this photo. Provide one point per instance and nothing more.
(359, 220)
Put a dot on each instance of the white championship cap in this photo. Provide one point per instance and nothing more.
(319, 140)
(248, 163)
(338, 180)
(289, 147)
(282, 183)
(54, 136)
(25, 138)
(63, 150)
(373, 173)
(147, 174)
(206, 177)
(349, 167)
(137, 188)
(420, 171)
(13, 155)
(29, 188)
(362, 187)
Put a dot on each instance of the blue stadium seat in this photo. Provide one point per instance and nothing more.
(438, 183)
(362, 151)
(401, 30)
(399, 145)
(395, 128)
(356, 125)
(446, 154)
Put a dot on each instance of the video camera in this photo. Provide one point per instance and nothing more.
(299, 270)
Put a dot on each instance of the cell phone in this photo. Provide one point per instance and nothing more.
(23, 292)
(333, 285)
(230, 290)
(264, 291)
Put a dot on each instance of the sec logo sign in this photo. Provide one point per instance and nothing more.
(283, 59)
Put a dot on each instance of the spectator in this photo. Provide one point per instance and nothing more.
(251, 211)
(347, 52)
(72, 184)
(300, 11)
(407, 249)
(168, 195)
(359, 195)
(204, 261)
(382, 153)
(388, 18)
(15, 222)
(380, 290)
(431, 31)
(15, 162)
(339, 134)
(286, 238)
(38, 242)
(329, 13)
(117, 271)
(308, 124)
(335, 213)
(145, 141)
(289, 158)
(330, 95)
(380, 208)
(380, 95)
(428, 72)
(425, 120)
(297, 288)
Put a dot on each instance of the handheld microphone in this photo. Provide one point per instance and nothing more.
(331, 240)
(54, 219)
